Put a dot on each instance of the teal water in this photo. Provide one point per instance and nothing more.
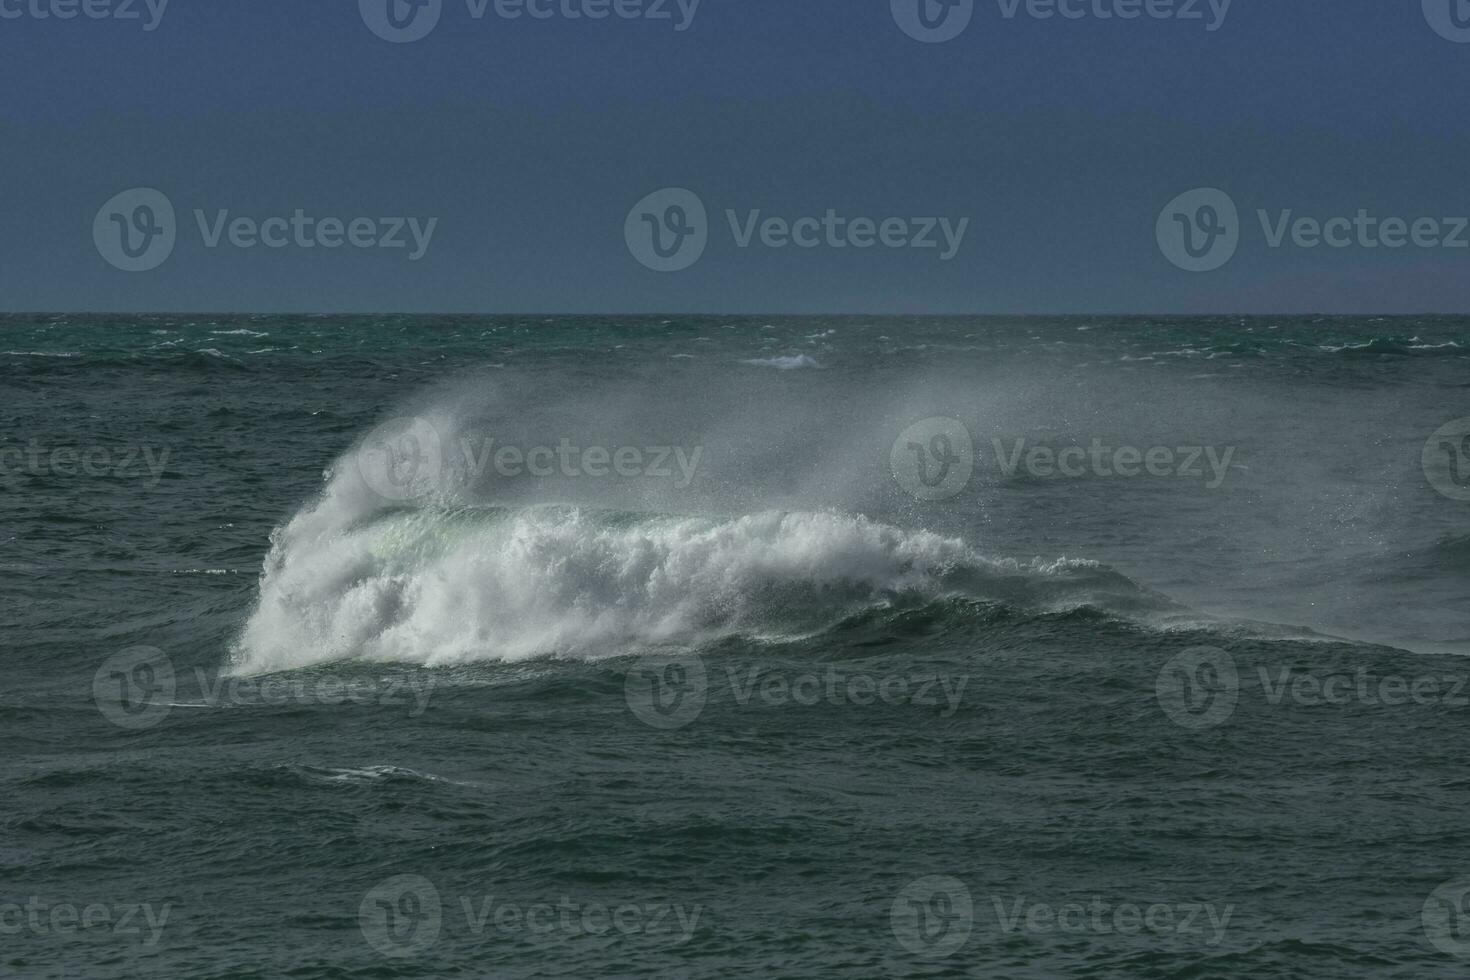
(305, 681)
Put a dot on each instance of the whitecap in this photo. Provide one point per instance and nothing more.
(791, 363)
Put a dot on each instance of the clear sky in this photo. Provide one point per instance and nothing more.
(1051, 146)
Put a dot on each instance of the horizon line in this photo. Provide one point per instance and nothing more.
(687, 314)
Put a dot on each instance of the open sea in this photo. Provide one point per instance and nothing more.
(702, 647)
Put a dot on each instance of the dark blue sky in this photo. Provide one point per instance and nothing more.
(530, 140)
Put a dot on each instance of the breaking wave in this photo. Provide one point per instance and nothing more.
(435, 581)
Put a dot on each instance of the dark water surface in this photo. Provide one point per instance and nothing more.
(770, 648)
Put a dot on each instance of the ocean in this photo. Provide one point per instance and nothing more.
(817, 647)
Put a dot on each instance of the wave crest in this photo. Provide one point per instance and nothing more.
(494, 583)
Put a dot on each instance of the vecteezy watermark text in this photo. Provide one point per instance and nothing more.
(405, 915)
(405, 21)
(570, 460)
(934, 917)
(142, 923)
(1201, 688)
(139, 687)
(126, 462)
(937, 21)
(935, 459)
(1098, 917)
(68, 10)
(1201, 230)
(1099, 460)
(137, 230)
(670, 692)
(404, 457)
(669, 230)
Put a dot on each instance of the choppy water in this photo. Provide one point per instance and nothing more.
(515, 647)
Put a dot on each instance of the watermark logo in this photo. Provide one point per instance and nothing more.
(933, 21)
(934, 459)
(1446, 918)
(401, 21)
(833, 687)
(933, 917)
(1199, 688)
(1446, 460)
(667, 692)
(134, 689)
(401, 458)
(402, 916)
(406, 915)
(404, 21)
(1199, 231)
(571, 461)
(407, 459)
(1449, 18)
(136, 230)
(139, 687)
(668, 230)
(937, 21)
(671, 691)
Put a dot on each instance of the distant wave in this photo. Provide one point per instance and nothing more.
(1395, 347)
(166, 356)
(791, 363)
(1262, 348)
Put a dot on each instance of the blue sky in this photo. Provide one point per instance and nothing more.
(528, 141)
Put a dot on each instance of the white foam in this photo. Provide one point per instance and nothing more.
(437, 587)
